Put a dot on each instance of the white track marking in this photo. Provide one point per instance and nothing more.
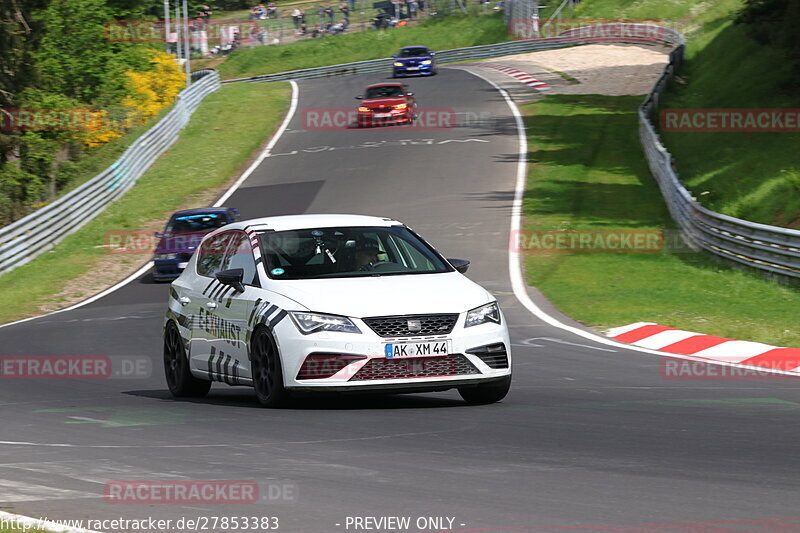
(139, 273)
(515, 259)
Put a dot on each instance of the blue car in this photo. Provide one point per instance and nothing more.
(182, 236)
(414, 60)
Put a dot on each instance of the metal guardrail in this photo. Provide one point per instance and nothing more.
(770, 249)
(36, 233)
(618, 33)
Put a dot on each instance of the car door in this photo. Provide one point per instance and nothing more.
(201, 305)
(228, 359)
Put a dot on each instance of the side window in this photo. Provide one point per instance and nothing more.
(240, 255)
(412, 255)
(211, 254)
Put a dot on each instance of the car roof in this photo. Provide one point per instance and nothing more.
(293, 222)
(415, 46)
(386, 84)
(200, 211)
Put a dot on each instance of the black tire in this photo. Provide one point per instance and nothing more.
(486, 394)
(181, 382)
(267, 371)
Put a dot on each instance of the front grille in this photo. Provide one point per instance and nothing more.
(382, 109)
(415, 367)
(494, 355)
(398, 326)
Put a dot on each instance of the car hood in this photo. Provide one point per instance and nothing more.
(414, 59)
(386, 295)
(380, 102)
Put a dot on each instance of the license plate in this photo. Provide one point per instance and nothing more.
(382, 115)
(398, 350)
(181, 266)
(412, 68)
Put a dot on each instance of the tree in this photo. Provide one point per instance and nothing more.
(775, 22)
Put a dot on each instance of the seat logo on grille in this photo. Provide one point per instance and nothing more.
(414, 325)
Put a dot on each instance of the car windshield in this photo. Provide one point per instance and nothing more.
(385, 91)
(413, 52)
(348, 252)
(196, 222)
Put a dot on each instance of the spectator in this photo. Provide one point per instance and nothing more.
(303, 29)
(204, 13)
(330, 13)
(321, 13)
(345, 10)
(412, 9)
(297, 17)
(272, 10)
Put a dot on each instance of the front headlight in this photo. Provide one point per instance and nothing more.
(363, 110)
(398, 64)
(481, 315)
(426, 62)
(166, 256)
(401, 106)
(309, 323)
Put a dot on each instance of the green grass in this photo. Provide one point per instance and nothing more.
(222, 135)
(587, 172)
(755, 176)
(438, 34)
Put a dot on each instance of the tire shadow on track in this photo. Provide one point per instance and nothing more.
(309, 401)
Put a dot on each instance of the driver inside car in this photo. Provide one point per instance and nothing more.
(367, 251)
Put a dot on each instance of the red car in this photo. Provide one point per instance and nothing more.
(386, 104)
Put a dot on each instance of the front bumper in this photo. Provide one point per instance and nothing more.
(404, 71)
(168, 269)
(368, 119)
(458, 368)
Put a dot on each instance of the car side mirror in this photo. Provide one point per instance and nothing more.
(158, 235)
(433, 53)
(460, 265)
(394, 56)
(410, 94)
(359, 97)
(232, 277)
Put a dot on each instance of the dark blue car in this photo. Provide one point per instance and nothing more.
(182, 236)
(414, 60)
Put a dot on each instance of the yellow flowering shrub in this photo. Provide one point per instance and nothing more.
(148, 93)
(155, 89)
(100, 129)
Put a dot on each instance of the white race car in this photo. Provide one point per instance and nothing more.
(331, 303)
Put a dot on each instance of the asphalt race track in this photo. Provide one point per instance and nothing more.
(590, 434)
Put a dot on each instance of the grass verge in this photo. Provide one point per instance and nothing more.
(755, 176)
(221, 137)
(438, 34)
(587, 172)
